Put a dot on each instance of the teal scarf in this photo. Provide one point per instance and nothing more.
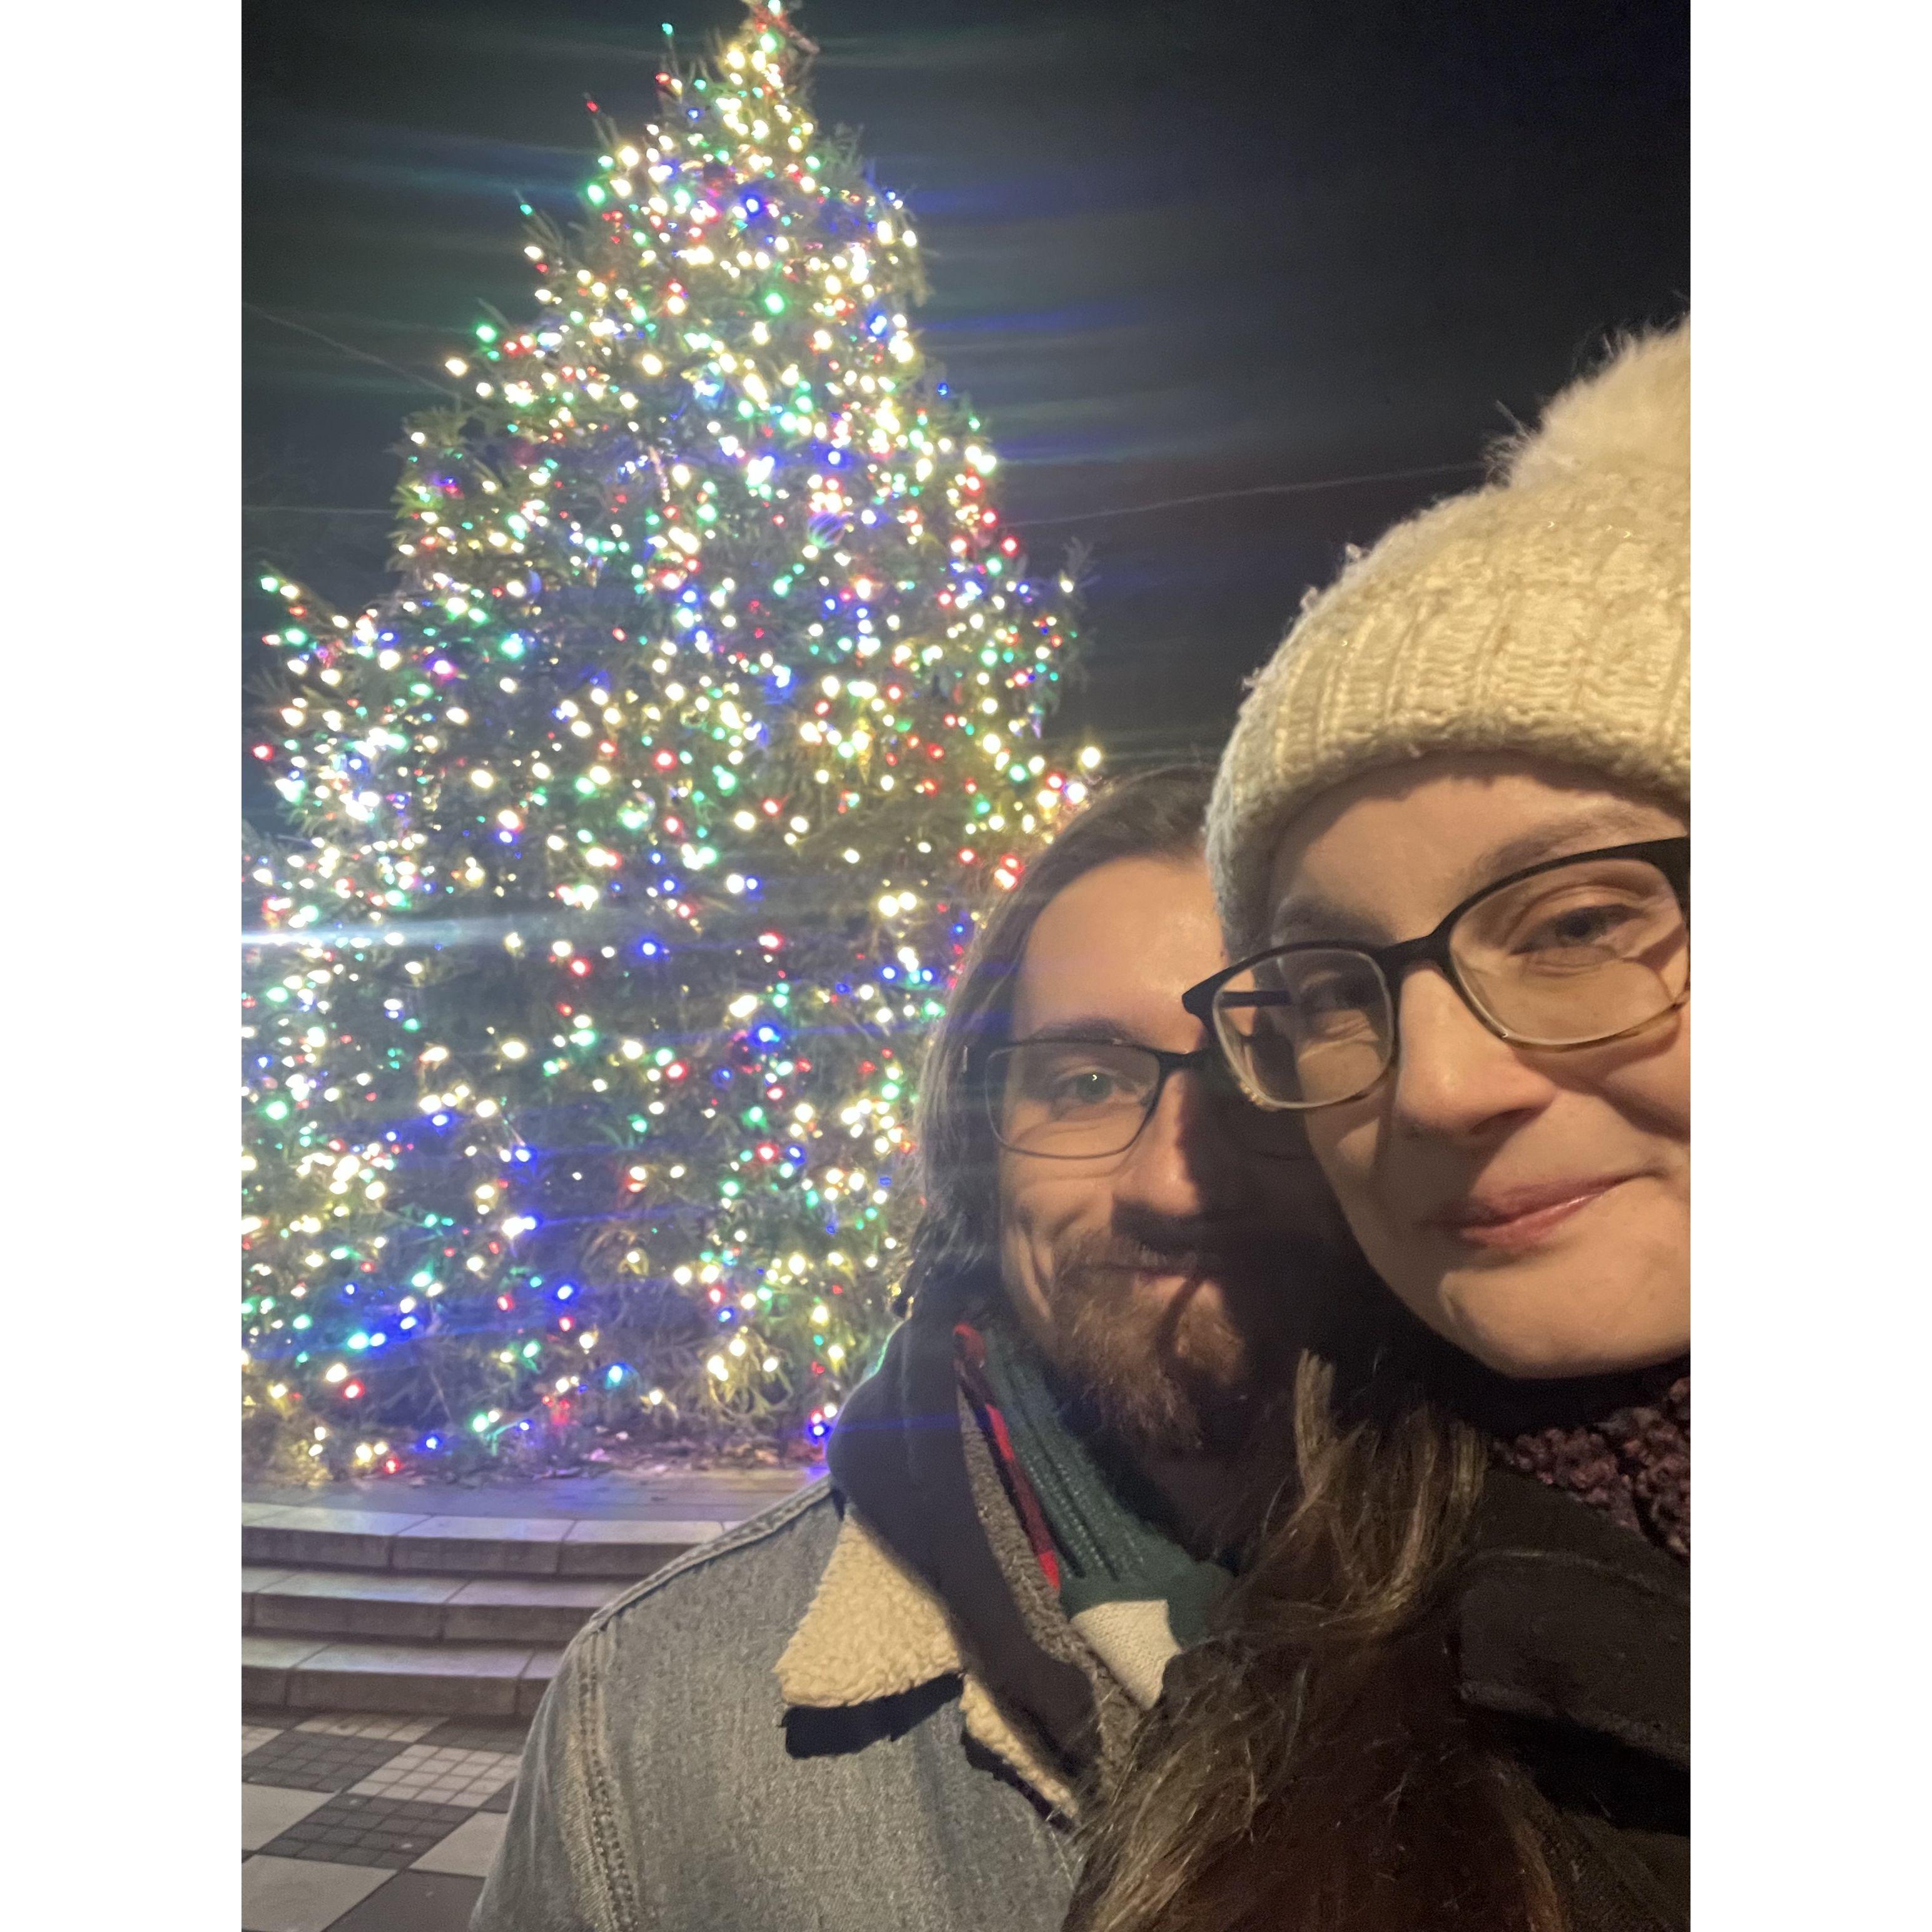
(1133, 1592)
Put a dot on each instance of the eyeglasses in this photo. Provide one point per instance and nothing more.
(1083, 1099)
(1571, 952)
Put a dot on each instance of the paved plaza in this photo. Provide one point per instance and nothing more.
(354, 1822)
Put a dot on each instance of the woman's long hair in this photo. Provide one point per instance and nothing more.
(1312, 1768)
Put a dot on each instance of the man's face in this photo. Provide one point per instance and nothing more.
(1166, 1282)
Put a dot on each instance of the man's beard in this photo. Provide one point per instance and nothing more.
(1187, 1372)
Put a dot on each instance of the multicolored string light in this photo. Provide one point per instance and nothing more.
(642, 821)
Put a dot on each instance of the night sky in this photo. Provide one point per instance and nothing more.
(1174, 251)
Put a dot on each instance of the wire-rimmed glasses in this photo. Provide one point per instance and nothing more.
(1571, 952)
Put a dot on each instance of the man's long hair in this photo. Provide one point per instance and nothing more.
(1310, 1768)
(952, 1264)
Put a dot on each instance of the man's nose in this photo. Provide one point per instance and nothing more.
(1185, 1161)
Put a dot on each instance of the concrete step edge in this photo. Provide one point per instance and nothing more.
(387, 1604)
(312, 1673)
(618, 1549)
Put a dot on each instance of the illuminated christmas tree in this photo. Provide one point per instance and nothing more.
(642, 823)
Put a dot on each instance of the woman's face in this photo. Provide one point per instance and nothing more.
(1531, 1207)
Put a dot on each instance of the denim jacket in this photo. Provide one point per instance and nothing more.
(779, 1732)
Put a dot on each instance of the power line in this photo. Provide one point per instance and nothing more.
(1307, 488)
(348, 349)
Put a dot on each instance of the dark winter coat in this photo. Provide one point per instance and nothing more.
(1574, 1635)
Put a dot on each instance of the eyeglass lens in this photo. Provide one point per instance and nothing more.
(1573, 954)
(1070, 1100)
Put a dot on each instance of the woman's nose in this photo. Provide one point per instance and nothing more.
(1453, 1076)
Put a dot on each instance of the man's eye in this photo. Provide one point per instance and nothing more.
(1090, 1087)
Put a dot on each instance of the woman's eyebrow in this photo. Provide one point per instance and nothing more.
(1611, 824)
(1308, 915)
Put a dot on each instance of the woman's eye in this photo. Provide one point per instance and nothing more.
(1576, 928)
(1327, 1004)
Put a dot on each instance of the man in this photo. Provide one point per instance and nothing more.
(882, 1704)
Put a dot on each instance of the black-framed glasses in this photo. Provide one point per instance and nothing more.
(1084, 1099)
(1572, 951)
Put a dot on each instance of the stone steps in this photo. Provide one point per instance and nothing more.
(349, 1605)
(347, 1609)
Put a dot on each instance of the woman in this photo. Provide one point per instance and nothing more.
(1450, 843)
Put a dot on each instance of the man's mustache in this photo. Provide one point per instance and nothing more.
(1190, 1256)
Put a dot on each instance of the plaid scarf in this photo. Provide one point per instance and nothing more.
(1136, 1597)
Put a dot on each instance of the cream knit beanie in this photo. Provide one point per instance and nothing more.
(1548, 613)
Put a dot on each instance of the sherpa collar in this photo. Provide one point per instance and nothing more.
(875, 1631)
(898, 1458)
(913, 1593)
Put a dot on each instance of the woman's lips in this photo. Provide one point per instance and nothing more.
(1521, 1217)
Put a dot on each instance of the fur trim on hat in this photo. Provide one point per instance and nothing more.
(1633, 414)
